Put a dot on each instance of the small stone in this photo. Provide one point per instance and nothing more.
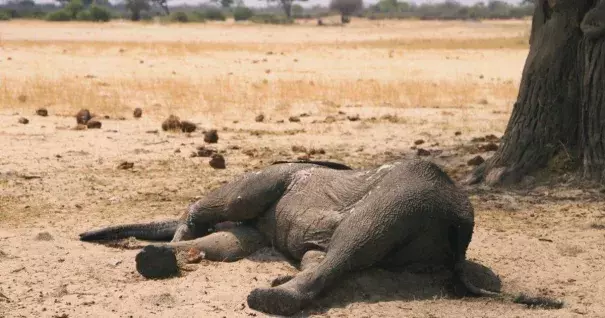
(475, 161)
(353, 117)
(281, 121)
(115, 262)
(329, 119)
(478, 139)
(458, 133)
(171, 123)
(314, 151)
(44, 236)
(177, 150)
(137, 113)
(299, 149)
(83, 116)
(217, 161)
(489, 147)
(42, 112)
(418, 142)
(80, 127)
(125, 165)
(492, 138)
(423, 152)
(294, 119)
(93, 124)
(211, 136)
(23, 121)
(188, 127)
(204, 152)
(259, 118)
(22, 98)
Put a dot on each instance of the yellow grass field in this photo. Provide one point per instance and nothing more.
(444, 83)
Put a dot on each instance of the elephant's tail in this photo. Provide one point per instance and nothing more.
(460, 238)
(155, 231)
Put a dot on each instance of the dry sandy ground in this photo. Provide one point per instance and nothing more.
(56, 182)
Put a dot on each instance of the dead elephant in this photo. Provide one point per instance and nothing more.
(333, 219)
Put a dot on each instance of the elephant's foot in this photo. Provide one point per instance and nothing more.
(157, 262)
(276, 301)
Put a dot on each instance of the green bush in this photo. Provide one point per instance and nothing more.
(242, 14)
(268, 18)
(215, 15)
(84, 16)
(179, 17)
(99, 14)
(60, 15)
(197, 16)
(5, 16)
(74, 7)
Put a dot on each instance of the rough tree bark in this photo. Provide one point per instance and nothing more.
(560, 108)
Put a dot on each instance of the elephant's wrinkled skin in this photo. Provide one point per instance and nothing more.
(404, 214)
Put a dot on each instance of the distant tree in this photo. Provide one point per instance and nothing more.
(162, 4)
(286, 6)
(224, 3)
(74, 7)
(136, 7)
(297, 10)
(346, 8)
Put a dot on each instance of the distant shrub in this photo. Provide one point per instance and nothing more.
(5, 16)
(74, 7)
(60, 15)
(215, 15)
(242, 13)
(179, 17)
(99, 14)
(84, 16)
(268, 18)
(197, 16)
(297, 11)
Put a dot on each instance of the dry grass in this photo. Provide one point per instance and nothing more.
(182, 95)
(164, 48)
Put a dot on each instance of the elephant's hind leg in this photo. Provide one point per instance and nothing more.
(160, 261)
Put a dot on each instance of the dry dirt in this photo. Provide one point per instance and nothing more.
(442, 82)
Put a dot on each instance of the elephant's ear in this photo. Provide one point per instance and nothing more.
(593, 23)
(327, 164)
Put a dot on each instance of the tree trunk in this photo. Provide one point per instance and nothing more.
(287, 6)
(559, 114)
(136, 15)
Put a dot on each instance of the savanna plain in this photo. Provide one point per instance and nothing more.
(363, 94)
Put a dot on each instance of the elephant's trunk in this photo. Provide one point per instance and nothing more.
(156, 231)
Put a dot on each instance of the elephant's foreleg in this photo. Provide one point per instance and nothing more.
(158, 261)
(311, 259)
(360, 241)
